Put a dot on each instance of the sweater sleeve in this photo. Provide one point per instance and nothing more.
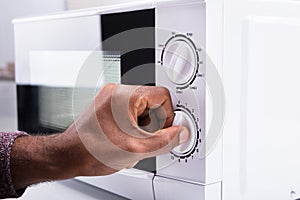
(7, 189)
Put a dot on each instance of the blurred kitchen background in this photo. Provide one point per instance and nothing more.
(8, 11)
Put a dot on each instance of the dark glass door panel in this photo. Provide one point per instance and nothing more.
(132, 34)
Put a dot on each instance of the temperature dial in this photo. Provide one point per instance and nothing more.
(183, 118)
(180, 59)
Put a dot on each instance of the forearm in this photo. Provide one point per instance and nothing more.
(36, 159)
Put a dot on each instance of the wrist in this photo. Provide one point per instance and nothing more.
(36, 159)
(80, 161)
(69, 155)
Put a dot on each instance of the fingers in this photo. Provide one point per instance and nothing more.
(163, 141)
(155, 101)
(152, 109)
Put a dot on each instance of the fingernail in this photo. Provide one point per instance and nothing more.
(184, 136)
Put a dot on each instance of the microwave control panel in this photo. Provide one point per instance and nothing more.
(181, 60)
(181, 68)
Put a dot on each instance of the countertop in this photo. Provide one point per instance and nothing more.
(69, 189)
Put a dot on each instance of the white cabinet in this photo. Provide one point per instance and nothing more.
(261, 78)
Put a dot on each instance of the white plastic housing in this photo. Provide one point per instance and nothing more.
(176, 22)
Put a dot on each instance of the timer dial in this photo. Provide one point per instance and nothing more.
(180, 59)
(183, 118)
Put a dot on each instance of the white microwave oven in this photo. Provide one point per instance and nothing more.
(60, 57)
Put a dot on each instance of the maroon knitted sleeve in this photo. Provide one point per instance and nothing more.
(7, 189)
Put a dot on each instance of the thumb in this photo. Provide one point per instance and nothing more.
(164, 140)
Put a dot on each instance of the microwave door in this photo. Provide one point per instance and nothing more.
(54, 79)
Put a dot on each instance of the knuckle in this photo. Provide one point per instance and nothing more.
(164, 91)
(132, 146)
(107, 89)
(109, 86)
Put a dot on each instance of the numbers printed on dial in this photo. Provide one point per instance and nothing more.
(185, 117)
(181, 60)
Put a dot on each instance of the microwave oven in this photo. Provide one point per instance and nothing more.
(63, 59)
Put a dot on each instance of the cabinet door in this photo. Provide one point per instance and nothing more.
(261, 77)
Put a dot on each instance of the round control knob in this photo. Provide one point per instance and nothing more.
(180, 59)
(182, 118)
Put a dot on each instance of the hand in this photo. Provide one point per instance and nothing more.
(125, 124)
(121, 126)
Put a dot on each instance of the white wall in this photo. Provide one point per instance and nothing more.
(15, 8)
